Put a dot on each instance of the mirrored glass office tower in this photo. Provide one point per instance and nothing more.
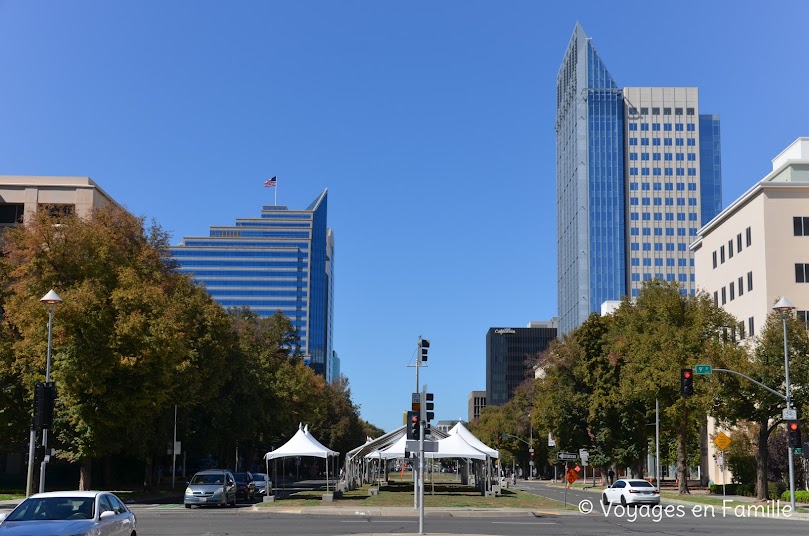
(638, 171)
(282, 260)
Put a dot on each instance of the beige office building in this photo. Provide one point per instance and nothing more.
(757, 250)
(21, 196)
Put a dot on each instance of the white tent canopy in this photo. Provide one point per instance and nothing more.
(301, 444)
(454, 446)
(394, 450)
(470, 438)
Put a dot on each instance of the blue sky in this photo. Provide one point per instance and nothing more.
(431, 124)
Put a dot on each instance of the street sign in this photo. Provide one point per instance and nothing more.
(429, 446)
(572, 476)
(798, 450)
(722, 441)
(565, 456)
(415, 403)
(531, 450)
(703, 369)
(790, 414)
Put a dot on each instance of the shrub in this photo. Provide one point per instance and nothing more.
(776, 489)
(746, 490)
(801, 496)
(730, 489)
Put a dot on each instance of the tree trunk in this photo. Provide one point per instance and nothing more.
(703, 452)
(761, 462)
(682, 469)
(147, 474)
(85, 471)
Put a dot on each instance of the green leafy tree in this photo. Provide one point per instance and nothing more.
(740, 400)
(130, 334)
(656, 336)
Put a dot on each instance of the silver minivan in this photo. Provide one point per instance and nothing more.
(211, 487)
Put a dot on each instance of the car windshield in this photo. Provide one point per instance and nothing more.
(53, 509)
(259, 477)
(208, 478)
(640, 484)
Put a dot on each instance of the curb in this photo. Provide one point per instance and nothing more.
(398, 511)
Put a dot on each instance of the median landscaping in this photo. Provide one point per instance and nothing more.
(441, 495)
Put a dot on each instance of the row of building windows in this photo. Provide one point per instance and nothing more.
(666, 172)
(682, 278)
(646, 231)
(660, 142)
(683, 291)
(659, 201)
(659, 186)
(732, 290)
(680, 157)
(720, 259)
(740, 331)
(667, 231)
(658, 246)
(659, 262)
(644, 110)
(667, 127)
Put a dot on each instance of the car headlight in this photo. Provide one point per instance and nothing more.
(189, 491)
(219, 490)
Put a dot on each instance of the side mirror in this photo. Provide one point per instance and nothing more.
(106, 515)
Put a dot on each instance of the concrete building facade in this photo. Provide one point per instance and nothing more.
(757, 249)
(476, 403)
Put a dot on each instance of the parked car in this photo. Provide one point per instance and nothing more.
(245, 486)
(211, 487)
(263, 483)
(632, 491)
(69, 513)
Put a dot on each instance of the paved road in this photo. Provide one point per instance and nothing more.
(165, 520)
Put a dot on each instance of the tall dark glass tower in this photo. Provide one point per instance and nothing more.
(281, 261)
(510, 357)
(638, 171)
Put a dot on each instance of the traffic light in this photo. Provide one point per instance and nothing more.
(44, 396)
(686, 382)
(424, 344)
(794, 434)
(499, 438)
(413, 424)
(429, 406)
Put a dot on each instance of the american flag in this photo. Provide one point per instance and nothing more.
(271, 182)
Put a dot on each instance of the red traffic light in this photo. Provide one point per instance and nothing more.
(687, 373)
(793, 426)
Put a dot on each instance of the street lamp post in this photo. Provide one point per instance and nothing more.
(51, 300)
(784, 307)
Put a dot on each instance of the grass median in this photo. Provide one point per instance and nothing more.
(444, 495)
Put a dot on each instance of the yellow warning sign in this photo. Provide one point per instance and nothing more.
(722, 441)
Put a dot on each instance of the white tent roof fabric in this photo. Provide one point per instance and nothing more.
(394, 450)
(470, 438)
(454, 446)
(301, 444)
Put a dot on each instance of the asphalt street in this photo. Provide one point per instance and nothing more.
(164, 520)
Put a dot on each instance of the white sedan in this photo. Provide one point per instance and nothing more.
(69, 513)
(631, 491)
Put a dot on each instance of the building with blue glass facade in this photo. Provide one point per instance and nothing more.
(282, 260)
(635, 178)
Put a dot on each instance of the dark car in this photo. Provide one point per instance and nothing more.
(245, 487)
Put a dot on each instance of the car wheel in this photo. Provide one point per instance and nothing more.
(623, 501)
(233, 503)
(188, 506)
(604, 499)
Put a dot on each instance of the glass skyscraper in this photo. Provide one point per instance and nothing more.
(635, 178)
(511, 354)
(282, 260)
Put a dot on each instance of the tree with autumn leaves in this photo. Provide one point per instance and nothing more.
(134, 338)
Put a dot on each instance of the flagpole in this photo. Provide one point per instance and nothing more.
(276, 192)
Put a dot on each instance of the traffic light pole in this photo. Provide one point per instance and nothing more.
(422, 430)
(45, 458)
